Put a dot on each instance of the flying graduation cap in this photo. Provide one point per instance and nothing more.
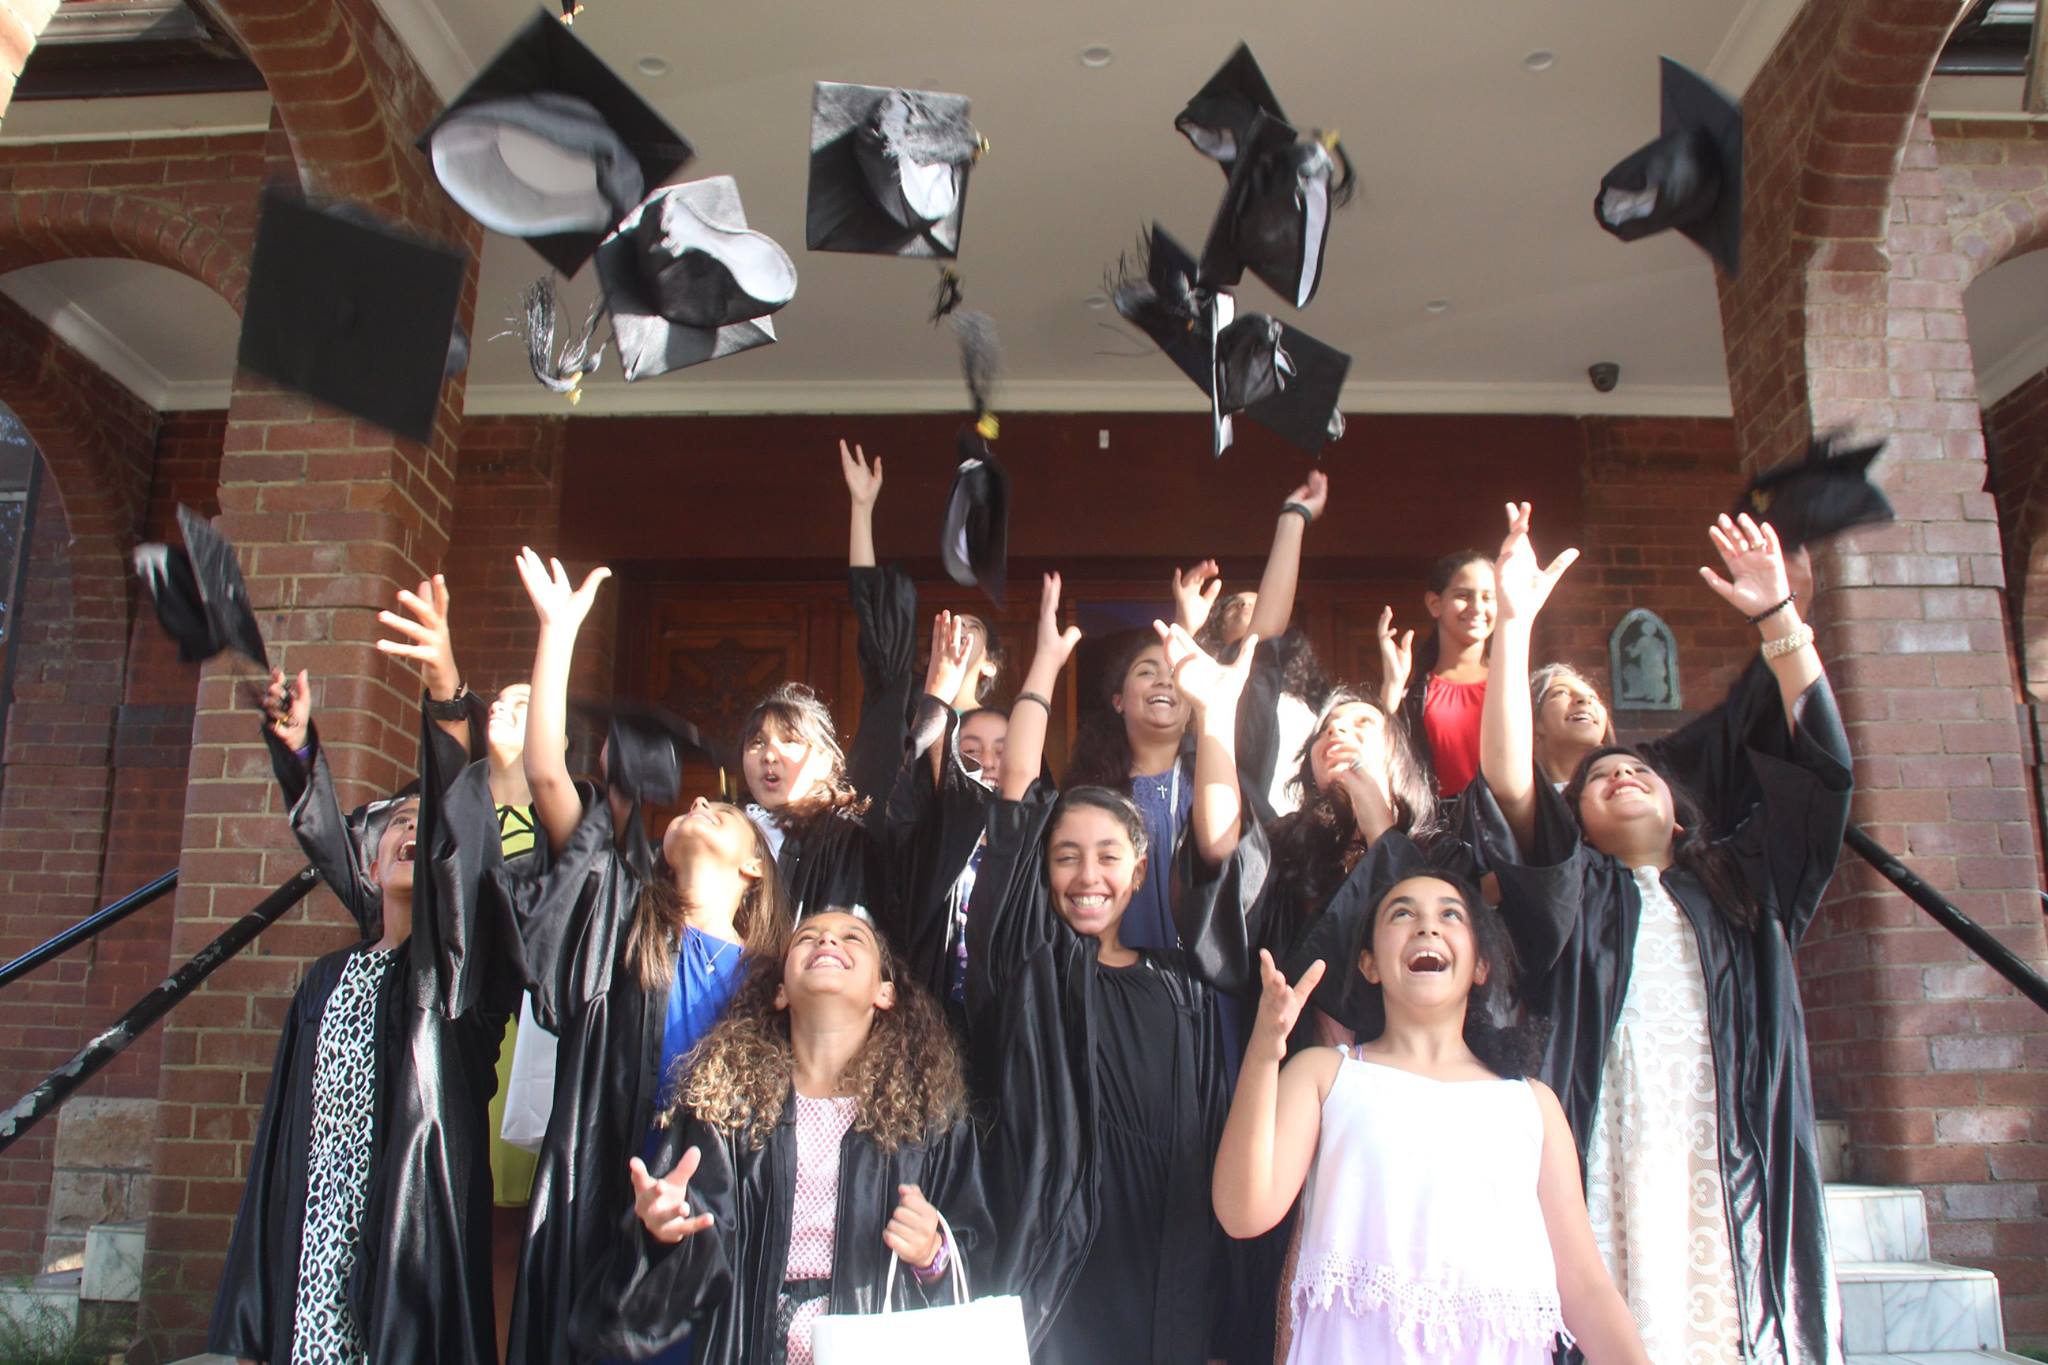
(974, 541)
(352, 312)
(1279, 376)
(1823, 493)
(550, 145)
(201, 599)
(888, 170)
(1689, 178)
(686, 280)
(1275, 216)
(646, 747)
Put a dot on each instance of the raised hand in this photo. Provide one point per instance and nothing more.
(664, 1204)
(952, 647)
(555, 600)
(1397, 659)
(1280, 1005)
(425, 638)
(1313, 493)
(913, 1231)
(1053, 643)
(1521, 585)
(288, 708)
(863, 479)
(1203, 681)
(1194, 594)
(1755, 562)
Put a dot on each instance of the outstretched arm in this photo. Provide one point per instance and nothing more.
(1757, 586)
(424, 638)
(1593, 1309)
(1506, 727)
(1275, 607)
(1275, 1116)
(946, 672)
(1216, 819)
(561, 608)
(863, 487)
(1397, 661)
(1194, 595)
(1031, 713)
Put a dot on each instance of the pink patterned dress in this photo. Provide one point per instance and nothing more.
(813, 1219)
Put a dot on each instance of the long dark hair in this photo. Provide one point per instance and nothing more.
(1440, 575)
(1512, 1050)
(1694, 846)
(1316, 845)
(1101, 755)
(659, 917)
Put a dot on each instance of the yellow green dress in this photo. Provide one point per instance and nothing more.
(511, 1167)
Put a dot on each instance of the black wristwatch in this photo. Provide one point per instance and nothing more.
(455, 708)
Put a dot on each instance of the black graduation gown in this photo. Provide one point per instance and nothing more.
(573, 915)
(1574, 912)
(934, 825)
(1259, 741)
(831, 858)
(725, 1279)
(421, 1288)
(1033, 1010)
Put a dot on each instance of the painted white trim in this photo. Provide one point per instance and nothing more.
(2013, 369)
(424, 30)
(707, 396)
(83, 333)
(138, 118)
(1750, 41)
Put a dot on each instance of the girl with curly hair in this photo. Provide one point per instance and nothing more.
(1665, 954)
(821, 1130)
(1104, 1063)
(1441, 1216)
(631, 953)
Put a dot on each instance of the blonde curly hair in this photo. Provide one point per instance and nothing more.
(907, 1078)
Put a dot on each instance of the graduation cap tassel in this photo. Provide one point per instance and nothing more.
(1138, 299)
(1346, 179)
(980, 358)
(536, 322)
(948, 295)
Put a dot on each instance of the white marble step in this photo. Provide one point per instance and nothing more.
(1909, 1307)
(1876, 1223)
(1941, 1358)
(42, 1304)
(113, 1262)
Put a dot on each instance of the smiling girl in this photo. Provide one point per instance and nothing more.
(1442, 1219)
(1442, 710)
(1104, 1062)
(820, 1132)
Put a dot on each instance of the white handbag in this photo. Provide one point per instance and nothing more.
(988, 1331)
(530, 1090)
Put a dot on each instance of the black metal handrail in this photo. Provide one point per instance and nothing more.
(1973, 935)
(104, 918)
(58, 1086)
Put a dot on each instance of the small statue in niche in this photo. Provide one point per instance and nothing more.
(1642, 658)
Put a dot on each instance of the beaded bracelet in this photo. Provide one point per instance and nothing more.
(1300, 509)
(1766, 615)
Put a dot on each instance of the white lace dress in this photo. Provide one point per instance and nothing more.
(338, 1162)
(1653, 1159)
(1422, 1241)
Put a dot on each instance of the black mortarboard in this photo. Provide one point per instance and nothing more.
(1155, 292)
(646, 747)
(1689, 178)
(548, 144)
(686, 280)
(200, 596)
(1275, 216)
(355, 314)
(458, 339)
(1823, 493)
(1279, 376)
(1343, 932)
(888, 170)
(974, 543)
(1217, 119)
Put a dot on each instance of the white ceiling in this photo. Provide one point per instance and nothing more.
(1477, 178)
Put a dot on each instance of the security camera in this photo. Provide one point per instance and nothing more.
(1605, 375)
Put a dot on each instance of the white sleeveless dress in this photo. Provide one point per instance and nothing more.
(1421, 1236)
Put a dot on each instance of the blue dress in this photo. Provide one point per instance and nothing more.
(1164, 800)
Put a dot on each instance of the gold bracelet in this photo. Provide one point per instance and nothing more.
(1799, 639)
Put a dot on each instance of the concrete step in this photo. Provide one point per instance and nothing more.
(1834, 1148)
(1923, 1358)
(1876, 1223)
(113, 1263)
(1914, 1307)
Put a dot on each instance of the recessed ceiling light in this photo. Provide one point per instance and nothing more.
(1437, 307)
(1542, 59)
(1097, 301)
(652, 66)
(1095, 56)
